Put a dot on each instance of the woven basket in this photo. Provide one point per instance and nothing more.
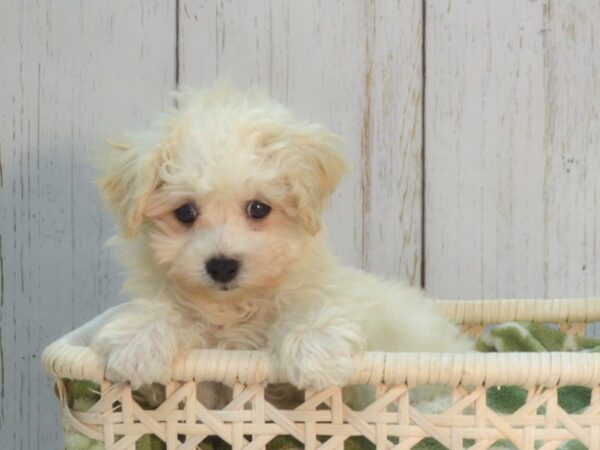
(250, 422)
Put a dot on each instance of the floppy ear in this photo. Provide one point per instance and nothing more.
(129, 175)
(315, 167)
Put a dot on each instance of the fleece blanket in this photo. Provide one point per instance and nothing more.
(507, 337)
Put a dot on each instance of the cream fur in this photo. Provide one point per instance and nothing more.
(220, 150)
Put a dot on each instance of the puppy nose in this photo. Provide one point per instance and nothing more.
(222, 269)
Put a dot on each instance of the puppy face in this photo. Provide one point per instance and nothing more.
(227, 191)
(223, 224)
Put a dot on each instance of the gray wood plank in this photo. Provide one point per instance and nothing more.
(72, 74)
(512, 131)
(484, 149)
(392, 137)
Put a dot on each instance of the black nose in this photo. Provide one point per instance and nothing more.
(222, 269)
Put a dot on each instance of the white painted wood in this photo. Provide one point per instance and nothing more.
(572, 149)
(342, 63)
(512, 135)
(484, 149)
(71, 75)
(392, 163)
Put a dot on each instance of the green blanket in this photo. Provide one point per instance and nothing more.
(507, 337)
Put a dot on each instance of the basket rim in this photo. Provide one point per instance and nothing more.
(69, 357)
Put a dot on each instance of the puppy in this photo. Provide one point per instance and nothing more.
(220, 206)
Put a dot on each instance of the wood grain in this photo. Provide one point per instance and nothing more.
(484, 153)
(392, 187)
(512, 131)
(572, 149)
(344, 65)
(71, 75)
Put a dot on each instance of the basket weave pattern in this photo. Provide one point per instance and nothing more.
(390, 421)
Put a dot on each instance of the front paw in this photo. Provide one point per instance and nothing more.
(142, 358)
(319, 357)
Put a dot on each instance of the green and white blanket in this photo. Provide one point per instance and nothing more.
(507, 337)
(532, 337)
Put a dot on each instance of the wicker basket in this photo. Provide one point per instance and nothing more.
(250, 422)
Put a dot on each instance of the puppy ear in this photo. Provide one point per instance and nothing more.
(129, 175)
(315, 170)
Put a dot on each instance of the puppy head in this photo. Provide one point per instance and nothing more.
(226, 191)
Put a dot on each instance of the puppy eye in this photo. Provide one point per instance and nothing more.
(257, 210)
(186, 213)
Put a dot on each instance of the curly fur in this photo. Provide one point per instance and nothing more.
(219, 150)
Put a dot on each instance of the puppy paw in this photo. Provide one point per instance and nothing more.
(141, 357)
(320, 353)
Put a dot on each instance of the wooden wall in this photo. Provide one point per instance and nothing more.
(512, 152)
(473, 128)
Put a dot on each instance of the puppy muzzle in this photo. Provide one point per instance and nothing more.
(222, 269)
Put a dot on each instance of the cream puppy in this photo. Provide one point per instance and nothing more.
(220, 208)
